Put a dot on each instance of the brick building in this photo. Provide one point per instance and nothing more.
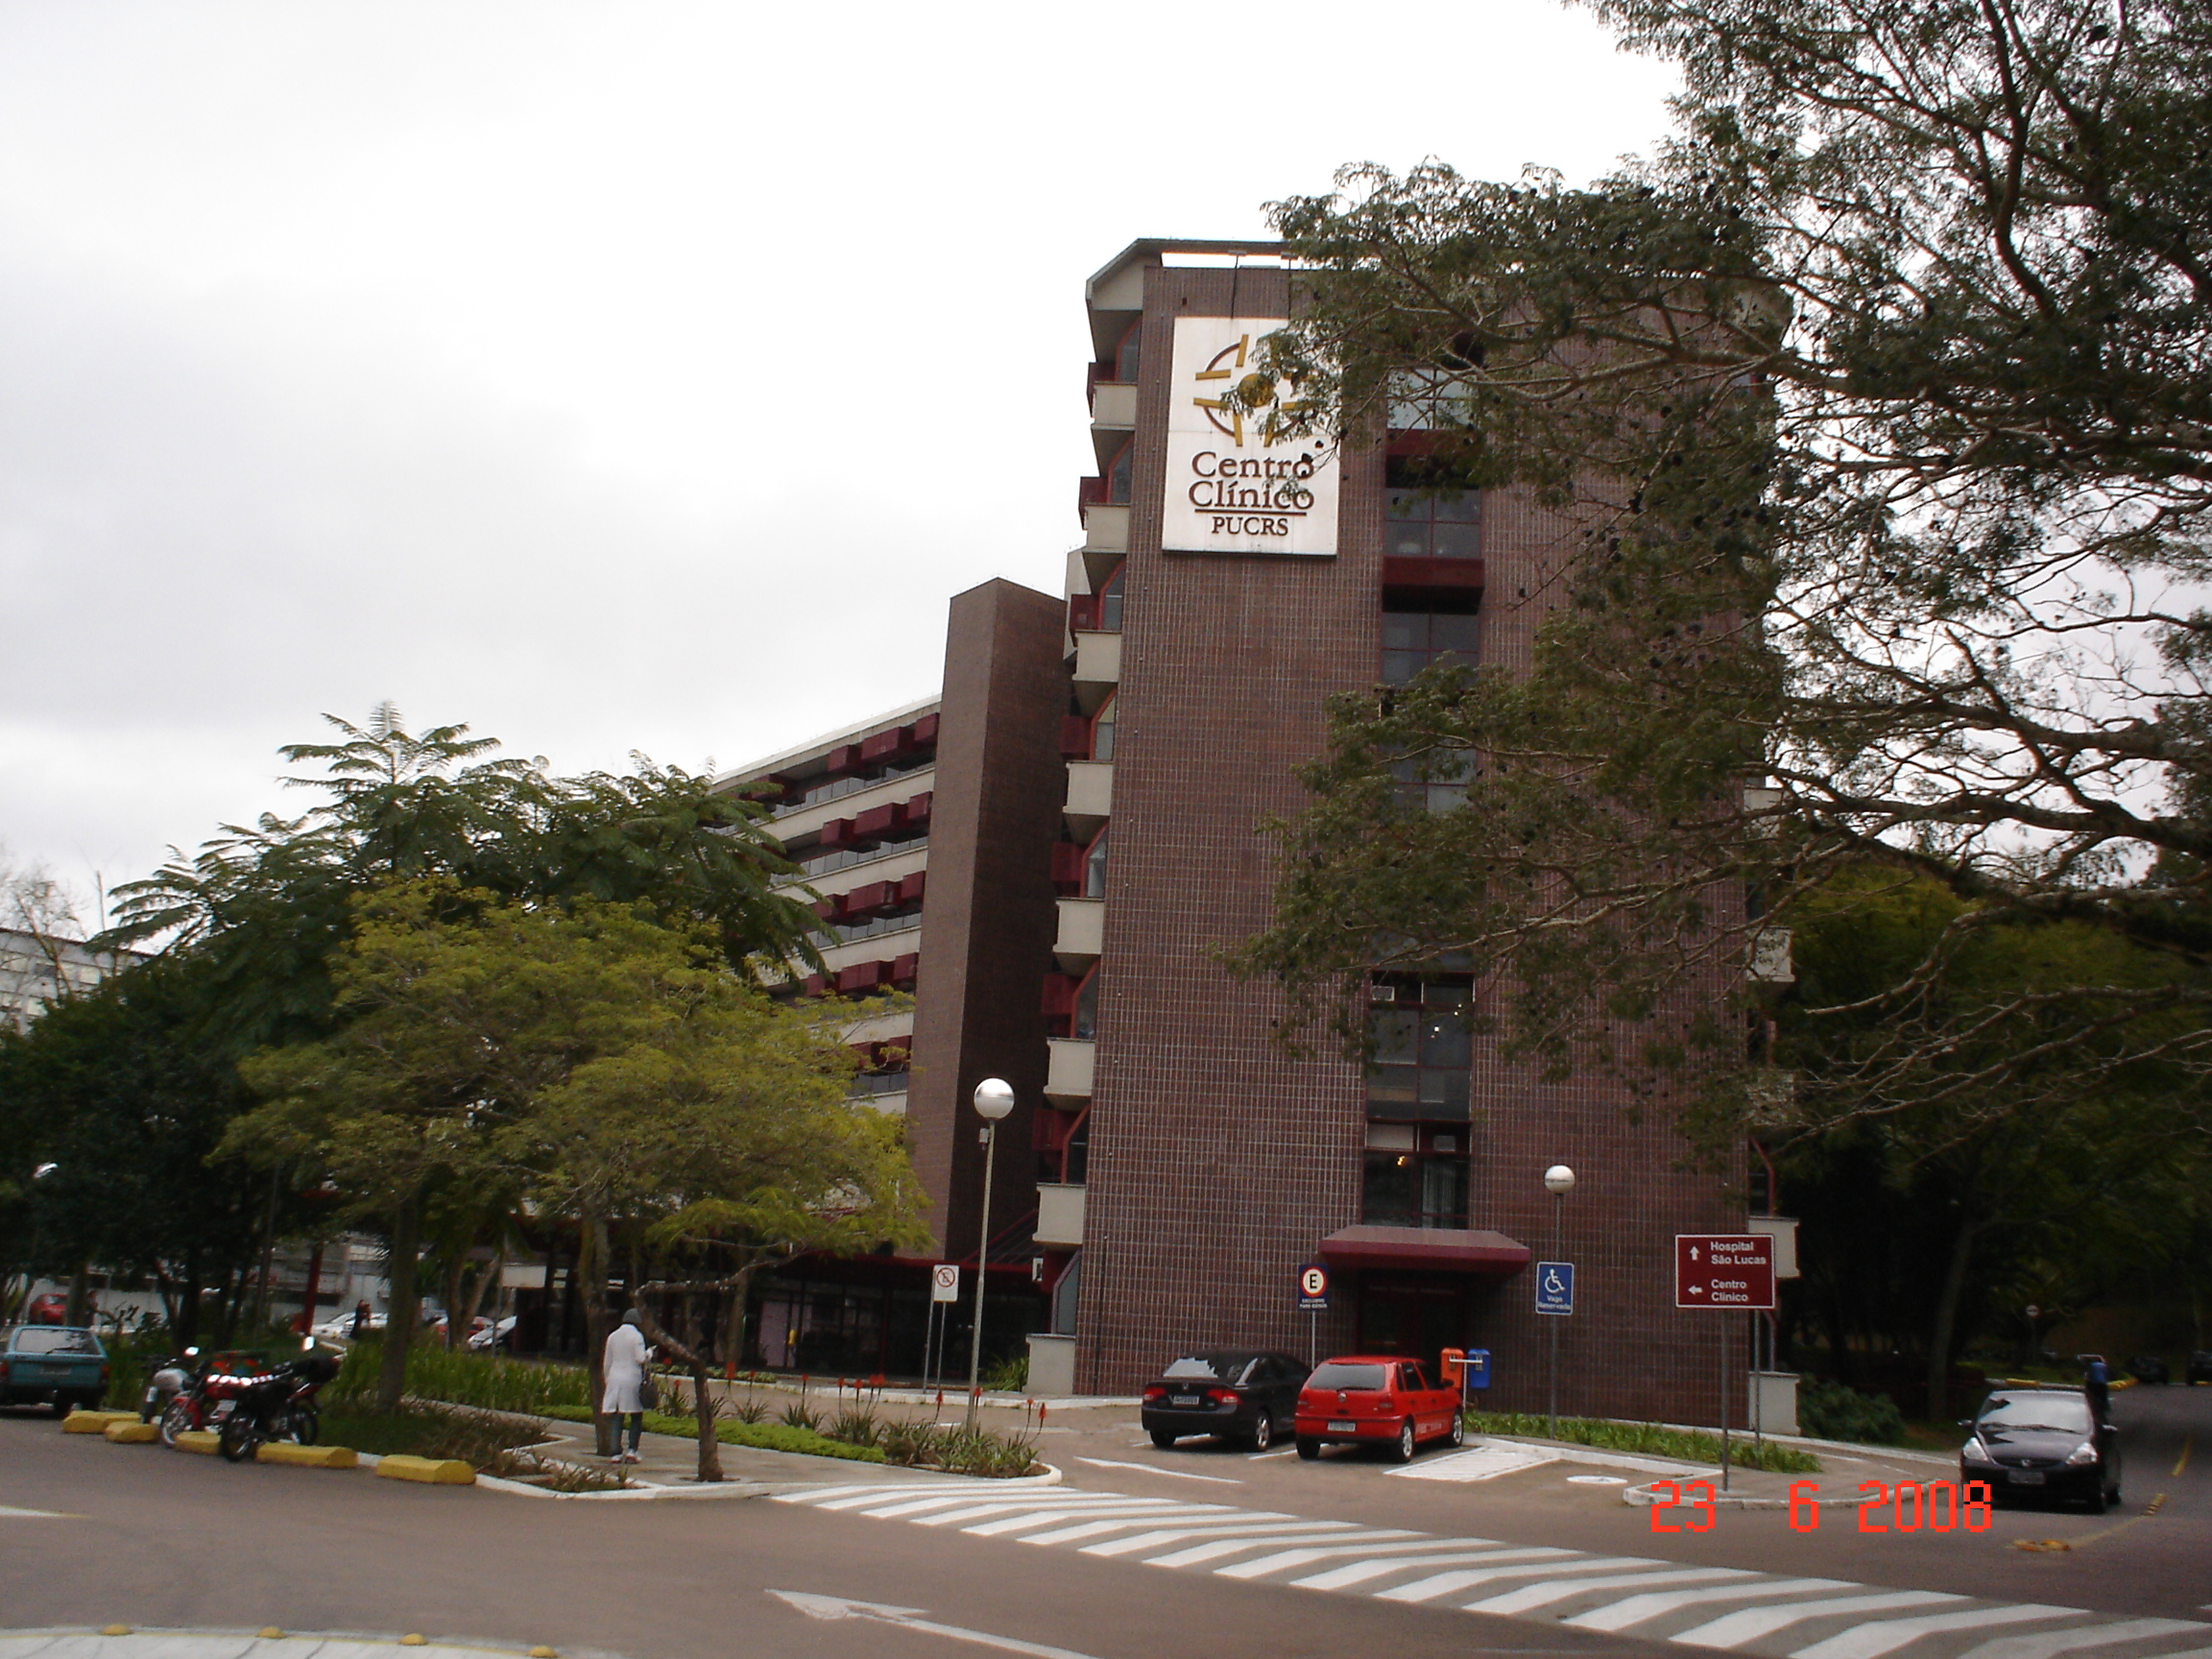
(1099, 767)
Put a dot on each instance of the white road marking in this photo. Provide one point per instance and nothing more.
(1168, 1535)
(1171, 1473)
(1290, 1558)
(1887, 1635)
(1734, 1629)
(1359, 1572)
(1444, 1583)
(2045, 1645)
(1533, 1596)
(1619, 1615)
(1199, 1553)
(8, 1514)
(910, 1619)
(1089, 1524)
(1477, 1463)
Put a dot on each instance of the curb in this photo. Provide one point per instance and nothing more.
(81, 1422)
(732, 1489)
(204, 1441)
(131, 1433)
(429, 1471)
(307, 1457)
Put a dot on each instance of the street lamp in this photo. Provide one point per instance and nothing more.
(1558, 1180)
(993, 1100)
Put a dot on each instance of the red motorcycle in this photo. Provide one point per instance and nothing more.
(195, 1391)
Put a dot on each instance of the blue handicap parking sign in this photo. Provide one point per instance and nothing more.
(1554, 1287)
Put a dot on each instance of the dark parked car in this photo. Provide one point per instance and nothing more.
(2199, 1367)
(2042, 1443)
(1243, 1395)
(56, 1365)
(2149, 1368)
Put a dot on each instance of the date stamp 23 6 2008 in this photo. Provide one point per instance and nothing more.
(1909, 1506)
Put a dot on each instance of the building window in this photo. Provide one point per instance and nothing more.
(1095, 866)
(1432, 783)
(1109, 609)
(1420, 1184)
(1126, 355)
(1421, 1051)
(1086, 1022)
(1446, 630)
(1119, 474)
(1102, 731)
(1424, 521)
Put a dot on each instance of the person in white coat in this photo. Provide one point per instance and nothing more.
(622, 1364)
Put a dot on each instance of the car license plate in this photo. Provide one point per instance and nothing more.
(1343, 1427)
(2023, 1477)
(1184, 1400)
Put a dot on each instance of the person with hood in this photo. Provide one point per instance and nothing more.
(623, 1365)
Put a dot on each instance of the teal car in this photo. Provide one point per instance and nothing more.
(53, 1365)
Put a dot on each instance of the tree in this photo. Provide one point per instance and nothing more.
(269, 907)
(609, 1064)
(1871, 414)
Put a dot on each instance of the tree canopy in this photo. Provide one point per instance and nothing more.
(1870, 411)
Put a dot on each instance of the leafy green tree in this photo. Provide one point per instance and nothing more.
(1871, 417)
(267, 910)
(114, 1089)
(610, 1064)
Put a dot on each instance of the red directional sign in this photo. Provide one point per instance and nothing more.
(1725, 1270)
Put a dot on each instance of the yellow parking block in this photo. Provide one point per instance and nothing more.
(307, 1456)
(436, 1471)
(204, 1441)
(94, 1421)
(132, 1432)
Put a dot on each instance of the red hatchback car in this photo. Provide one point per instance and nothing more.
(1379, 1399)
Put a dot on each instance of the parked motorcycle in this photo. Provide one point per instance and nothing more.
(278, 1405)
(164, 1382)
(194, 1390)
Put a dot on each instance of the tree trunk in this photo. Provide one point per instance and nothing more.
(80, 1309)
(592, 1261)
(401, 1316)
(1940, 1339)
(705, 1403)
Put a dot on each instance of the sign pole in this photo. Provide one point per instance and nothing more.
(1558, 1213)
(1312, 1340)
(1723, 1324)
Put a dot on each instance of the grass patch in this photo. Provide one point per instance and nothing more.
(486, 1444)
(767, 1436)
(1647, 1439)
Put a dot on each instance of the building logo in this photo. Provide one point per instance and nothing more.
(1260, 492)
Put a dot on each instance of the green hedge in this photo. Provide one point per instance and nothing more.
(1647, 1438)
(1830, 1411)
(461, 1378)
(768, 1437)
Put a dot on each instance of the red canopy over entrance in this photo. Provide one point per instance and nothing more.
(1429, 1249)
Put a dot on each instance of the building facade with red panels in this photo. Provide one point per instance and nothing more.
(1056, 885)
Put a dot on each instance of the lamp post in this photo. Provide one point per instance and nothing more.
(1558, 1180)
(993, 1100)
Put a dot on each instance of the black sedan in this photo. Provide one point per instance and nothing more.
(2042, 1443)
(1244, 1395)
(2199, 1367)
(2149, 1369)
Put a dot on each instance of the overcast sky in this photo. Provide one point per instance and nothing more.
(611, 377)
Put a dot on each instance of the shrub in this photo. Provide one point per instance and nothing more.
(1832, 1411)
(1649, 1439)
(857, 1426)
(800, 1415)
(1010, 1376)
(958, 1450)
(461, 1378)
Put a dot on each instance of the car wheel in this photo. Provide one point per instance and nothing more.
(1162, 1439)
(60, 1407)
(1458, 1428)
(1402, 1447)
(1262, 1433)
(1308, 1450)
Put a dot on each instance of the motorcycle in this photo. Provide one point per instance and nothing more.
(193, 1390)
(165, 1380)
(278, 1405)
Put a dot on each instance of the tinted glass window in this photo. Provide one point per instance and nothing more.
(1410, 1376)
(1209, 1367)
(2066, 1411)
(31, 1339)
(1336, 1376)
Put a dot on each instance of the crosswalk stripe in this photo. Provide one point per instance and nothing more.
(1290, 1558)
(1359, 1572)
(1887, 1635)
(1199, 1553)
(1734, 1629)
(1619, 1615)
(1164, 1535)
(1088, 1523)
(1444, 1583)
(1665, 1601)
(2048, 1644)
(1544, 1595)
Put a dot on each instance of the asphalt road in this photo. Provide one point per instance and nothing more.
(147, 1538)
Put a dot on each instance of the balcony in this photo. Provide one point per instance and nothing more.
(1105, 528)
(1068, 1073)
(1059, 1216)
(1082, 925)
(1090, 795)
(1113, 407)
(1097, 667)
